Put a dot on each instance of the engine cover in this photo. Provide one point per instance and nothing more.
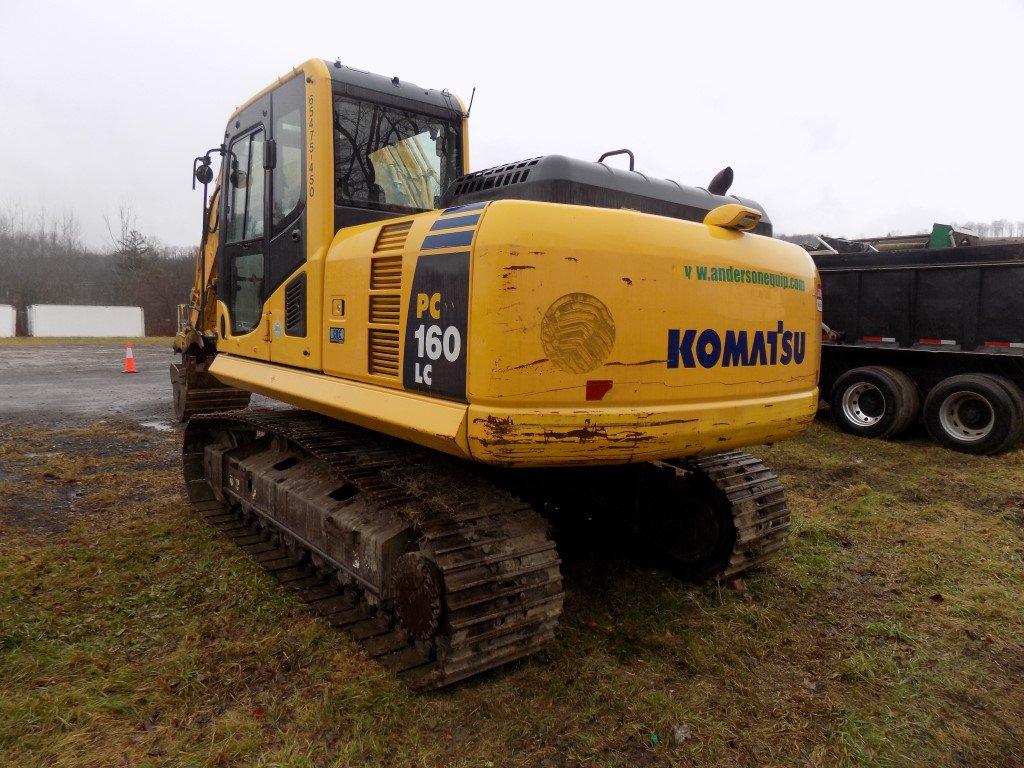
(560, 179)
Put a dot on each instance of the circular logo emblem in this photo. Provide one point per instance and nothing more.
(577, 332)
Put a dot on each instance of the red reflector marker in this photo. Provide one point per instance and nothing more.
(1005, 344)
(598, 388)
(878, 339)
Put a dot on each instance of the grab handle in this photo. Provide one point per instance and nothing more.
(632, 160)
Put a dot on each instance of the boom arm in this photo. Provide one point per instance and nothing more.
(198, 317)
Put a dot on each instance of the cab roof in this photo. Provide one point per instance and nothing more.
(359, 84)
(392, 91)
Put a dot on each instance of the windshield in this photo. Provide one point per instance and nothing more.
(390, 159)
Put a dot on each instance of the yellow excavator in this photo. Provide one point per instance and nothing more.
(470, 356)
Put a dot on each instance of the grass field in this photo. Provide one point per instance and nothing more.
(889, 633)
(46, 341)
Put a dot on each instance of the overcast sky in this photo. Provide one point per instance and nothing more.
(877, 117)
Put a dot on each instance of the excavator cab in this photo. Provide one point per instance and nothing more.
(324, 148)
(327, 148)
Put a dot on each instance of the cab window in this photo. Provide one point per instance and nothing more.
(244, 214)
(246, 300)
(245, 188)
(287, 132)
(390, 159)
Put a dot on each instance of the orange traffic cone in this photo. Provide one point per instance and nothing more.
(129, 358)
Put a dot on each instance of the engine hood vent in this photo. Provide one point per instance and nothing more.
(499, 176)
(559, 179)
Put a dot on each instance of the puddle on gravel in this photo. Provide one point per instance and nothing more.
(160, 426)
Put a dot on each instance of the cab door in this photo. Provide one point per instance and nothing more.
(292, 280)
(241, 285)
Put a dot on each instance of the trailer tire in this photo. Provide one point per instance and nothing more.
(910, 407)
(973, 413)
(874, 401)
(1017, 396)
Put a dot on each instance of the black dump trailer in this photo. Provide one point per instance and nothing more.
(924, 334)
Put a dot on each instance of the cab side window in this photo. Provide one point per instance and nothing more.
(245, 188)
(390, 159)
(257, 181)
(288, 170)
(238, 171)
(246, 181)
(246, 298)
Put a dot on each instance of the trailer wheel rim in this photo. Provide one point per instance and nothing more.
(967, 416)
(863, 404)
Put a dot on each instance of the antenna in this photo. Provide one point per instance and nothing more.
(470, 107)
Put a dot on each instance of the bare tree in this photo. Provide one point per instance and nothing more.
(43, 260)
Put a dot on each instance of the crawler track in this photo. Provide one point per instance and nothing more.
(756, 503)
(459, 575)
(499, 588)
(715, 516)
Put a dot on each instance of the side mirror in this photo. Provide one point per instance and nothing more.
(204, 174)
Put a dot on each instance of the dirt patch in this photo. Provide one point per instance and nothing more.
(54, 478)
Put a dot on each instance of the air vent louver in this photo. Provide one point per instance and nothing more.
(383, 355)
(384, 309)
(295, 307)
(386, 273)
(500, 176)
(392, 237)
(385, 300)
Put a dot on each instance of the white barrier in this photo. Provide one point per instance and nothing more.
(70, 320)
(7, 318)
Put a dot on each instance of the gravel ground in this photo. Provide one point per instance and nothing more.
(72, 383)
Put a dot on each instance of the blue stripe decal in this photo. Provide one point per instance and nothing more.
(456, 221)
(463, 208)
(447, 240)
